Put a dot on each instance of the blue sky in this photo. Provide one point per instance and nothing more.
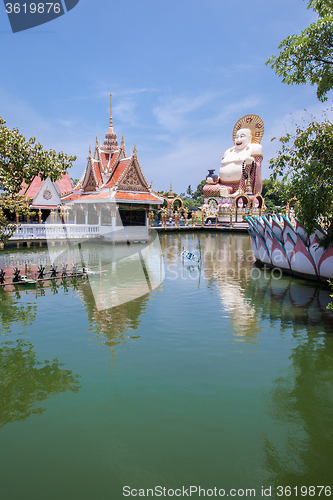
(181, 74)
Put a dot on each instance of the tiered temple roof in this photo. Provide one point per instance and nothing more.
(112, 175)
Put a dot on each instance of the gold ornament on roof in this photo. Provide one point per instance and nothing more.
(254, 123)
(47, 194)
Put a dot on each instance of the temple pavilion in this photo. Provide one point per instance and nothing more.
(112, 179)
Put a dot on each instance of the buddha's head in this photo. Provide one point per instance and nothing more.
(242, 138)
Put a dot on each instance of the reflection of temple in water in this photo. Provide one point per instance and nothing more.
(114, 294)
(110, 325)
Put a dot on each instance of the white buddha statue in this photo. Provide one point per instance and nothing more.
(240, 162)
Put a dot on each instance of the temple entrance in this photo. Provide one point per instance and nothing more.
(133, 217)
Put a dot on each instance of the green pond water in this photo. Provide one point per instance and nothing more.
(212, 375)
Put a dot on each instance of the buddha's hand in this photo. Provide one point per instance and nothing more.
(249, 160)
(210, 180)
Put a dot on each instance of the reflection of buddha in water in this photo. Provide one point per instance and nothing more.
(228, 267)
(240, 162)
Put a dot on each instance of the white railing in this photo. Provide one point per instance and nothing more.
(55, 231)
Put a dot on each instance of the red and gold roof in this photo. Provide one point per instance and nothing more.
(112, 175)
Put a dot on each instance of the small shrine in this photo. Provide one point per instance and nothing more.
(172, 202)
(238, 185)
(46, 196)
(173, 210)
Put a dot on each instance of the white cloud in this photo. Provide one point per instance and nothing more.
(117, 91)
(243, 106)
(125, 112)
(173, 114)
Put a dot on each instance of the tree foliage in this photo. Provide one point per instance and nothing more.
(272, 193)
(308, 57)
(189, 191)
(322, 7)
(305, 164)
(15, 204)
(75, 181)
(195, 198)
(20, 161)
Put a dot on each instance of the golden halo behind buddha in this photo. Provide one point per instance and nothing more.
(252, 122)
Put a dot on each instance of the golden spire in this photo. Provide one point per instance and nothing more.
(170, 195)
(110, 143)
(111, 123)
(89, 154)
(122, 142)
(134, 149)
(96, 144)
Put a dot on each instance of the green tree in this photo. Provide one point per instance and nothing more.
(14, 203)
(272, 193)
(305, 163)
(75, 181)
(308, 57)
(199, 191)
(195, 198)
(20, 161)
(189, 191)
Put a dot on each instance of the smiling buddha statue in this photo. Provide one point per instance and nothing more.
(241, 164)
